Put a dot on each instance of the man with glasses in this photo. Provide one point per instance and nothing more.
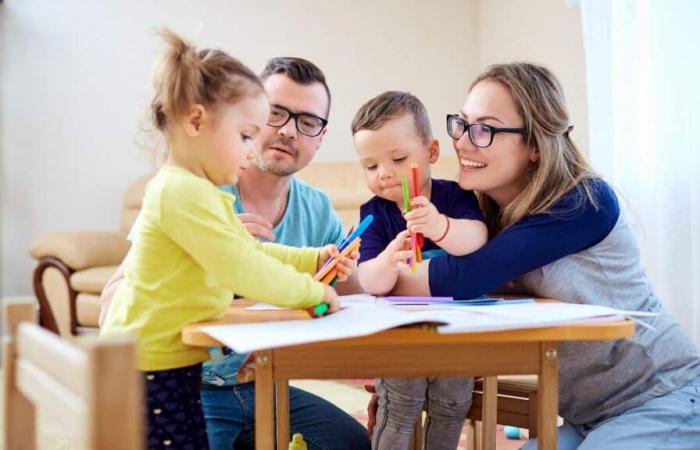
(276, 206)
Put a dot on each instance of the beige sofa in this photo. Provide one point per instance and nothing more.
(73, 267)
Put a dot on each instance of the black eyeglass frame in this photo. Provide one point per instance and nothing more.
(295, 116)
(467, 126)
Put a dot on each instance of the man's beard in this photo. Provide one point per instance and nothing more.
(276, 167)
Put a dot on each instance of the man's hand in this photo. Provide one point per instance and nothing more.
(257, 226)
(345, 266)
(424, 218)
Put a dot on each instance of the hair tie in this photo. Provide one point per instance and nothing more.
(569, 130)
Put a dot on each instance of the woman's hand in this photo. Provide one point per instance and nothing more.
(398, 251)
(346, 265)
(424, 218)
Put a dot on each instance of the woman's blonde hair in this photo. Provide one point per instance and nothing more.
(185, 76)
(561, 166)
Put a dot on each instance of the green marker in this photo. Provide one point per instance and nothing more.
(406, 197)
(319, 310)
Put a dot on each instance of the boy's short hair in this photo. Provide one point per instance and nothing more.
(391, 105)
(299, 70)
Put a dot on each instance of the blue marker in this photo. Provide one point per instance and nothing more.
(348, 240)
(366, 222)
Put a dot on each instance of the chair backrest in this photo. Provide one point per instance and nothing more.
(345, 184)
(91, 388)
(343, 181)
(132, 202)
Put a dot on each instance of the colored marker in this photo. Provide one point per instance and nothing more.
(415, 172)
(407, 208)
(327, 268)
(366, 222)
(406, 197)
(318, 311)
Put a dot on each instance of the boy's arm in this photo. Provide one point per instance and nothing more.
(457, 237)
(378, 275)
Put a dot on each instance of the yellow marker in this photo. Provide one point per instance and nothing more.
(297, 442)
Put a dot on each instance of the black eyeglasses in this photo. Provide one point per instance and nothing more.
(307, 124)
(480, 134)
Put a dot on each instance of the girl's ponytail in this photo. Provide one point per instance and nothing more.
(184, 77)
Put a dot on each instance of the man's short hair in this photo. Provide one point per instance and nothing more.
(298, 70)
(391, 105)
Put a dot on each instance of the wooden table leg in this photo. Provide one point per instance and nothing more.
(282, 413)
(488, 413)
(548, 393)
(264, 402)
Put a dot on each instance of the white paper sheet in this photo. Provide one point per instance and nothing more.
(364, 318)
(358, 320)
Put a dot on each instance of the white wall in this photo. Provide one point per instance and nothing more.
(75, 85)
(543, 31)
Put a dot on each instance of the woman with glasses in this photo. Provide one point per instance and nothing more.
(557, 230)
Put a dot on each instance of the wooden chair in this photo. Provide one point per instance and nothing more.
(90, 387)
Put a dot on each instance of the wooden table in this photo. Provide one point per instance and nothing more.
(411, 352)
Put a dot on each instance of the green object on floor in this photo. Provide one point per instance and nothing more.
(297, 442)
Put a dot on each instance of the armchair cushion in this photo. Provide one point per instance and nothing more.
(82, 249)
(87, 310)
(92, 280)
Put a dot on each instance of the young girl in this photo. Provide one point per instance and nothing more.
(391, 132)
(558, 231)
(190, 251)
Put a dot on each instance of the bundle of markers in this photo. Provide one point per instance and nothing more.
(417, 239)
(328, 274)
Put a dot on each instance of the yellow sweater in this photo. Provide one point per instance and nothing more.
(190, 253)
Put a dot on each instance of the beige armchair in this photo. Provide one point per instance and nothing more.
(74, 267)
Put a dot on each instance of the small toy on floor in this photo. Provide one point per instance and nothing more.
(297, 442)
(515, 433)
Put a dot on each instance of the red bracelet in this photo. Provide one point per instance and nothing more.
(446, 230)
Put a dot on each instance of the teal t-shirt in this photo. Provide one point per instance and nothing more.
(309, 221)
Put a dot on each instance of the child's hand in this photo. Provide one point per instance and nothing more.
(345, 266)
(424, 218)
(398, 251)
(331, 297)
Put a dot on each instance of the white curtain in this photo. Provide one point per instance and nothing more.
(643, 73)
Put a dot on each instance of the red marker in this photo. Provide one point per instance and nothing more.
(416, 193)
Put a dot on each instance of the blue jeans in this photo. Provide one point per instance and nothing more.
(669, 422)
(230, 415)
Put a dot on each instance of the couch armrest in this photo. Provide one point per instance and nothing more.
(82, 249)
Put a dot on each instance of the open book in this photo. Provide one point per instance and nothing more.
(362, 318)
